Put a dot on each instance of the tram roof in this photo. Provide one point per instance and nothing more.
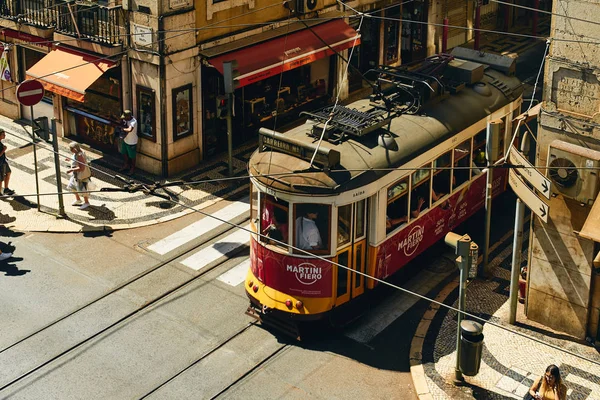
(360, 157)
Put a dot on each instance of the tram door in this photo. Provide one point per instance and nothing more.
(351, 251)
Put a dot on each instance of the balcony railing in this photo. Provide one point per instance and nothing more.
(92, 21)
(88, 20)
(40, 13)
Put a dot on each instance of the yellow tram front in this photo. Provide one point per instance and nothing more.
(297, 244)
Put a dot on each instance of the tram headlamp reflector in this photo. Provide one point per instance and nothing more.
(299, 304)
(288, 303)
(255, 288)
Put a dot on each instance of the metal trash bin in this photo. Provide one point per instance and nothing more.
(471, 345)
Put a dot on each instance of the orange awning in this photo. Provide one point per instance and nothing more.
(69, 73)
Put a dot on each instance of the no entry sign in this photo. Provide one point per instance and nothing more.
(30, 92)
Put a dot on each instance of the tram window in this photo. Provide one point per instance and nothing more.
(344, 224)
(311, 227)
(274, 220)
(253, 204)
(397, 205)
(462, 164)
(420, 194)
(360, 226)
(441, 176)
(479, 160)
(342, 274)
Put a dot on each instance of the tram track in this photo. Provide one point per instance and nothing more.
(128, 316)
(212, 351)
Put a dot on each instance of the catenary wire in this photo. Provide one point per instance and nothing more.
(383, 282)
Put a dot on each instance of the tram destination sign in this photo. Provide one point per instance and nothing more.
(528, 196)
(530, 173)
(276, 141)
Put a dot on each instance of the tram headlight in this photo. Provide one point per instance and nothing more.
(288, 303)
(299, 305)
(250, 283)
(255, 288)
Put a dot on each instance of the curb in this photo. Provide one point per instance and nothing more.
(416, 347)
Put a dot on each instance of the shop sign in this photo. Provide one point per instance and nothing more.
(142, 35)
(27, 39)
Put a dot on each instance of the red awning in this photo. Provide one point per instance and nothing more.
(272, 57)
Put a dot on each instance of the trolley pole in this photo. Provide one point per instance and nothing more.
(35, 166)
(462, 246)
(61, 204)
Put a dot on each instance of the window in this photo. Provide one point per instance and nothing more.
(311, 228)
(360, 226)
(182, 112)
(253, 204)
(146, 113)
(420, 195)
(274, 220)
(397, 205)
(462, 164)
(344, 225)
(441, 176)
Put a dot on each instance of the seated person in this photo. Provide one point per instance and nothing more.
(436, 196)
(308, 236)
(278, 228)
(392, 223)
(417, 207)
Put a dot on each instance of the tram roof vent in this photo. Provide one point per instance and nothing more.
(349, 120)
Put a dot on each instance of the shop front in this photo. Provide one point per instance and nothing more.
(278, 78)
(89, 87)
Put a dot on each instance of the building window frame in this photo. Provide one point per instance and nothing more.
(146, 112)
(182, 99)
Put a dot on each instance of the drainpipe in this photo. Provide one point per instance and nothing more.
(164, 154)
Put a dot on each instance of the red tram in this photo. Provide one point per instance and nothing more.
(390, 176)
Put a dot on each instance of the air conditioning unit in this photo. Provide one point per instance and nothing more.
(574, 171)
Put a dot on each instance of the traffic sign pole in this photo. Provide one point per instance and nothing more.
(35, 166)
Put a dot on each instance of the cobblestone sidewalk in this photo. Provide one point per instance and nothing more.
(109, 210)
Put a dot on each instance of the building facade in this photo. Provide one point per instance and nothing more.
(164, 61)
(563, 277)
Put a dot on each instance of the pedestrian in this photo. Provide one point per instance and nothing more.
(548, 387)
(4, 167)
(308, 236)
(129, 143)
(81, 174)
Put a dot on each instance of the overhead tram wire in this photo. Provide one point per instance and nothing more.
(158, 185)
(383, 282)
(213, 26)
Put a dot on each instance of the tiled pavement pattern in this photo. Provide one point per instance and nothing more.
(509, 362)
(109, 210)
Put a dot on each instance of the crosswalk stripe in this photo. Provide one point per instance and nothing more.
(237, 274)
(199, 228)
(218, 249)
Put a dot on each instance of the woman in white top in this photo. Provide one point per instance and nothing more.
(81, 175)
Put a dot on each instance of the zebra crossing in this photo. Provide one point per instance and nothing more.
(211, 253)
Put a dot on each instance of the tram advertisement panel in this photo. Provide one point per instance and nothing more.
(303, 277)
(443, 218)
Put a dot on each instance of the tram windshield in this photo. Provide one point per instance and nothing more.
(274, 220)
(311, 227)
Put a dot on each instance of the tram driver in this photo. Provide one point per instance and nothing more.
(308, 236)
